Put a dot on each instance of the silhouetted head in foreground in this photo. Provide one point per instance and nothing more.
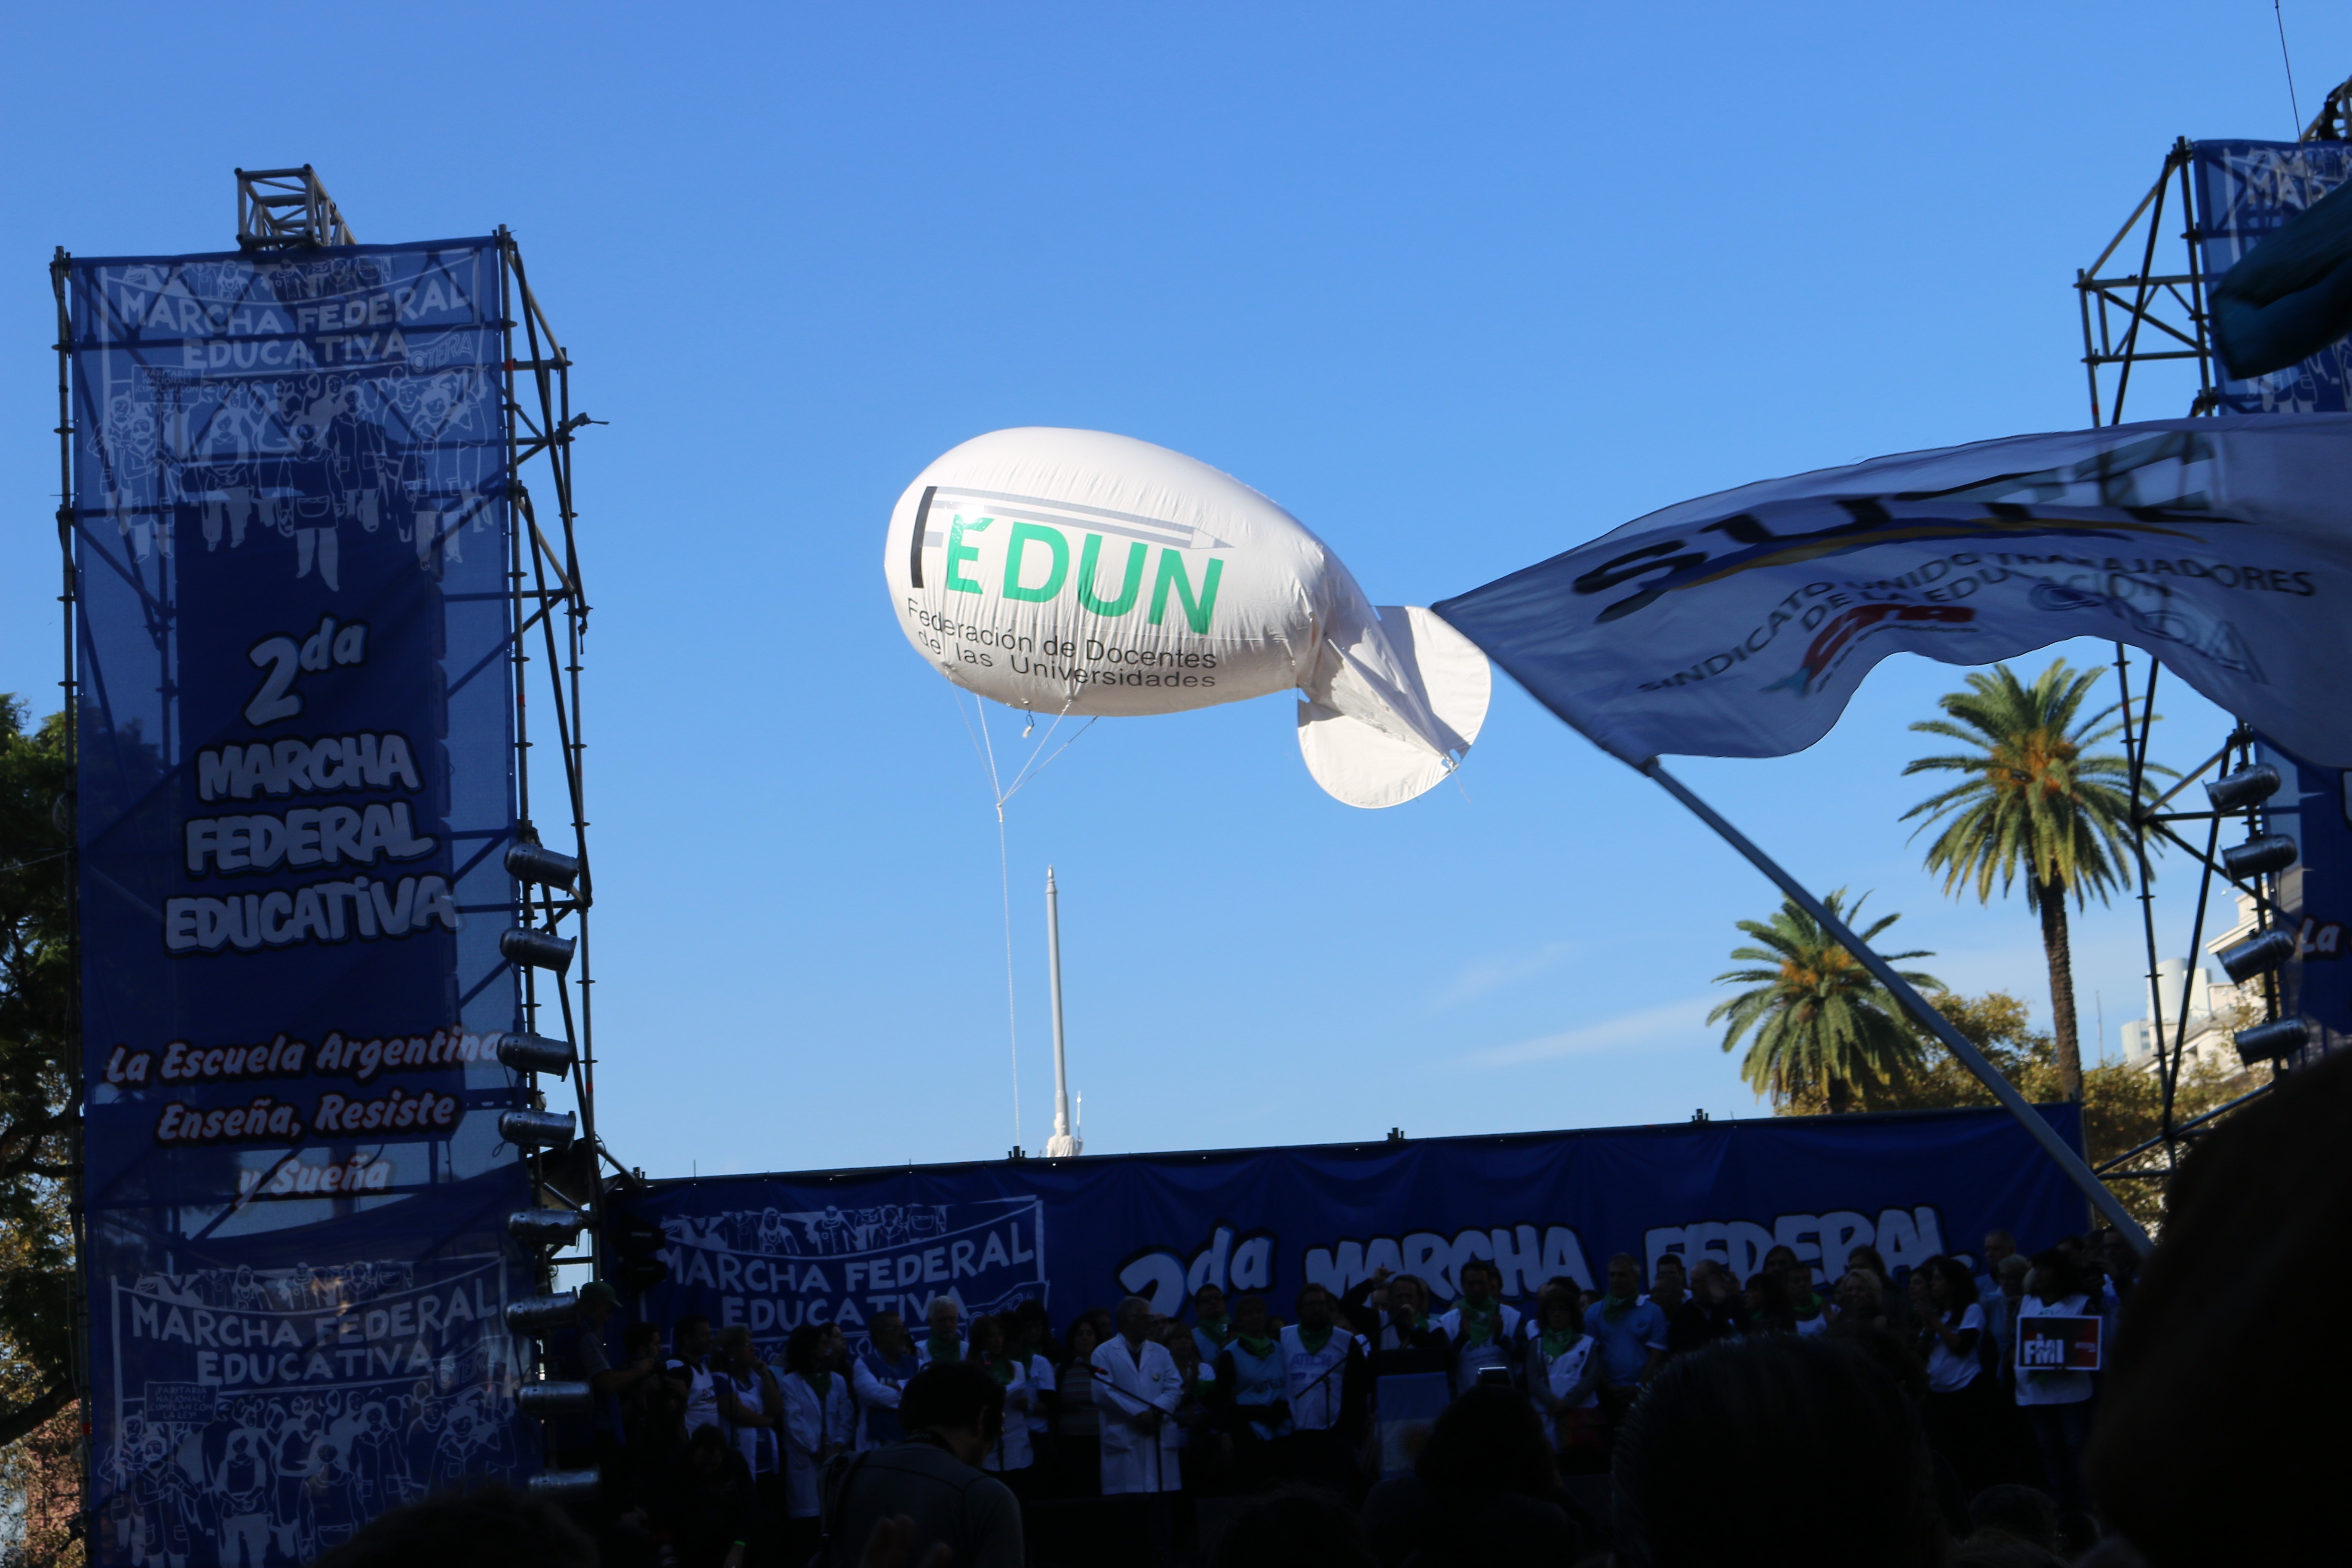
(1775, 1449)
(1295, 1528)
(2021, 1513)
(493, 1526)
(2254, 1241)
(1489, 1440)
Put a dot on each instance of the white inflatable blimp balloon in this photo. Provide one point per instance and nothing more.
(1077, 572)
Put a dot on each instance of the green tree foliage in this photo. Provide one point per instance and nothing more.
(40, 1493)
(2035, 803)
(2123, 1104)
(39, 1099)
(1825, 1030)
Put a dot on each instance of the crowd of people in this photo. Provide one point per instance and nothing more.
(1794, 1421)
(715, 1458)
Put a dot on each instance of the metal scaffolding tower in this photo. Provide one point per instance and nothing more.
(281, 207)
(2133, 319)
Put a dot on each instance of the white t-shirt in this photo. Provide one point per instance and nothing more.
(701, 1394)
(2054, 1387)
(1014, 1448)
(1562, 1372)
(1948, 1371)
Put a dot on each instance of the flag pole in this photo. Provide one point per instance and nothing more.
(1063, 1144)
(2109, 1208)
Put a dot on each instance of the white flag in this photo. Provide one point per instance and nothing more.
(1739, 625)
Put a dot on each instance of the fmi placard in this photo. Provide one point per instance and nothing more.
(2059, 1344)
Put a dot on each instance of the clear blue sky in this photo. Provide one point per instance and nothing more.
(1459, 289)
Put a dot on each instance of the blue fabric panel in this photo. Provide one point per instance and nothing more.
(2247, 194)
(775, 1251)
(290, 520)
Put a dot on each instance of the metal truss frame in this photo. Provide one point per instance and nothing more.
(2129, 319)
(2156, 827)
(547, 587)
(2169, 306)
(278, 207)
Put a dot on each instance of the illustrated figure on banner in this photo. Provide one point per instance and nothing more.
(414, 438)
(130, 449)
(225, 477)
(275, 1477)
(301, 1288)
(828, 1232)
(448, 414)
(289, 1476)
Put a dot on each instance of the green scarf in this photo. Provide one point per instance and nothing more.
(1315, 1340)
(1478, 1323)
(999, 1367)
(1256, 1347)
(945, 1350)
(821, 1381)
(1615, 1307)
(1220, 1329)
(1558, 1342)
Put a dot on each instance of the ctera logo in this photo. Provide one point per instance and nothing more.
(1035, 566)
(1826, 649)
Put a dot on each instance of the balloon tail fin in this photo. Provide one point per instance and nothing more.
(1396, 710)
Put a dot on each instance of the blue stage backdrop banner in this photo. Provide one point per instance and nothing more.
(296, 747)
(777, 1251)
(2247, 191)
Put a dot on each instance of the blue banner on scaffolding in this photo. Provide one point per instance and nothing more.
(291, 523)
(774, 1252)
(2247, 191)
(2315, 809)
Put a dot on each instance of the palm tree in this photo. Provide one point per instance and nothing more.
(2036, 801)
(1823, 1027)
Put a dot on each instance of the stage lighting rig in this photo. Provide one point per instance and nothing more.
(537, 949)
(2247, 786)
(535, 1129)
(2256, 955)
(2268, 1042)
(2259, 857)
(546, 1228)
(564, 1486)
(537, 1314)
(536, 1053)
(548, 1397)
(636, 1243)
(548, 867)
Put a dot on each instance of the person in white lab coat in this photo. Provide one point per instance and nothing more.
(820, 1421)
(1138, 1389)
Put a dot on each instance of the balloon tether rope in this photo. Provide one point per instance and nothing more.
(985, 745)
